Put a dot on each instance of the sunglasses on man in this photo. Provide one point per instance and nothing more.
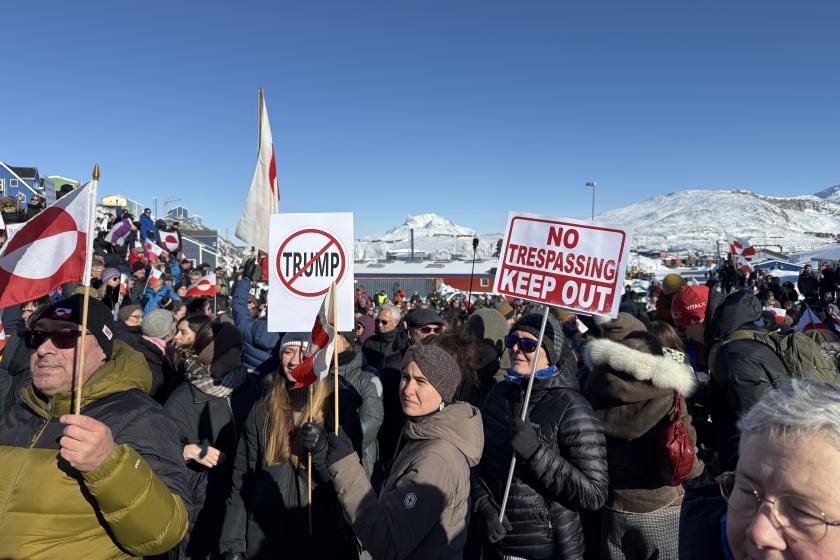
(62, 339)
(525, 345)
(429, 329)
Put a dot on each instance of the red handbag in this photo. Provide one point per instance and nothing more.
(677, 451)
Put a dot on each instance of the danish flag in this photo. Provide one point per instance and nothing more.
(153, 250)
(316, 366)
(155, 275)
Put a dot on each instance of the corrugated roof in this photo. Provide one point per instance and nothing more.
(425, 268)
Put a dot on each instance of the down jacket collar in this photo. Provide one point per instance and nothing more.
(662, 372)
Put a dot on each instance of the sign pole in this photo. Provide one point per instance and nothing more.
(524, 413)
(335, 348)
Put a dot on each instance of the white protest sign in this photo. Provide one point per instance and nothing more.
(574, 264)
(308, 252)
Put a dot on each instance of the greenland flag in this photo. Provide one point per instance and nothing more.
(170, 240)
(316, 366)
(205, 287)
(50, 249)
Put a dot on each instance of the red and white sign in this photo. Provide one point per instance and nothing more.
(308, 253)
(573, 264)
(205, 287)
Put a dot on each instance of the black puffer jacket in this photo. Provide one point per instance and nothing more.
(741, 371)
(568, 472)
(369, 387)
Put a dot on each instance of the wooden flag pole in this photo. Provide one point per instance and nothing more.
(77, 403)
(335, 348)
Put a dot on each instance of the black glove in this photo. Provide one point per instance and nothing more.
(524, 439)
(495, 529)
(252, 270)
(235, 556)
(340, 447)
(314, 440)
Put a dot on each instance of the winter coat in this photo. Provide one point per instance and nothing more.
(257, 342)
(740, 372)
(568, 472)
(203, 419)
(165, 377)
(632, 394)
(130, 335)
(135, 293)
(14, 372)
(423, 507)
(146, 225)
(381, 346)
(135, 504)
(369, 387)
(266, 513)
(151, 299)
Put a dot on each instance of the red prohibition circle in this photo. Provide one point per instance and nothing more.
(288, 282)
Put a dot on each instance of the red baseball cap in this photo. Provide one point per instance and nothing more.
(688, 307)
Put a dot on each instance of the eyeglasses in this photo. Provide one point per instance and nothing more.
(133, 316)
(525, 345)
(62, 339)
(429, 329)
(797, 516)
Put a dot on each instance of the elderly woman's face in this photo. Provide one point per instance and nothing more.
(804, 472)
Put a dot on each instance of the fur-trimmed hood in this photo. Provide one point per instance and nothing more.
(661, 371)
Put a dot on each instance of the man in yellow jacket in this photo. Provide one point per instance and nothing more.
(106, 483)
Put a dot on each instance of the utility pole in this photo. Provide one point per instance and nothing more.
(592, 184)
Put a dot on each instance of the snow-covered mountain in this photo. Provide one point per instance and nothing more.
(695, 220)
(434, 235)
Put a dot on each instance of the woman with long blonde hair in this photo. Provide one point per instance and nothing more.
(268, 512)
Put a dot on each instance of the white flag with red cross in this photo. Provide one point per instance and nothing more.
(50, 249)
(316, 366)
(205, 287)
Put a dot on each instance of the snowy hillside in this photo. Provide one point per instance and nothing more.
(695, 219)
(438, 237)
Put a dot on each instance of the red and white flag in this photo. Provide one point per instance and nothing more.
(155, 276)
(152, 250)
(52, 248)
(170, 240)
(743, 264)
(316, 366)
(740, 246)
(809, 321)
(264, 196)
(205, 287)
(778, 312)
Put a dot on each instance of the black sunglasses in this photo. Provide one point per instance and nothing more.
(525, 345)
(62, 339)
(428, 329)
(381, 322)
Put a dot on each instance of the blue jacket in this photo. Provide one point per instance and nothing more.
(151, 300)
(257, 342)
(146, 225)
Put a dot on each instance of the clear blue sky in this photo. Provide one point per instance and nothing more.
(465, 108)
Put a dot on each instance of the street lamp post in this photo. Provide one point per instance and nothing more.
(592, 184)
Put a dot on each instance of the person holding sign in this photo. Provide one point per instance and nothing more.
(560, 449)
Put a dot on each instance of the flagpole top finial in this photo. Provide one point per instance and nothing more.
(96, 171)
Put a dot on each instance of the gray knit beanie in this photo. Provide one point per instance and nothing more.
(530, 324)
(438, 366)
(158, 323)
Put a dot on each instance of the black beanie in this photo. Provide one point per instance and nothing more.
(100, 322)
(530, 324)
(438, 366)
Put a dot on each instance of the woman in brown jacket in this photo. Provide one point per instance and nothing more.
(631, 387)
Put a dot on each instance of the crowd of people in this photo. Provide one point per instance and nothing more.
(691, 427)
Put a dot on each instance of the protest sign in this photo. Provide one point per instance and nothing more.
(309, 252)
(573, 264)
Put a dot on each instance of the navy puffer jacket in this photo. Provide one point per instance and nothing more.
(257, 342)
(568, 472)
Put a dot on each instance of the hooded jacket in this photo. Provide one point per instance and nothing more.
(135, 504)
(257, 342)
(422, 509)
(567, 472)
(632, 394)
(740, 371)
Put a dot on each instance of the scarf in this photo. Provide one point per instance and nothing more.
(199, 375)
(158, 342)
(544, 373)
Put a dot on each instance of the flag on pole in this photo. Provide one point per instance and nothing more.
(152, 250)
(170, 240)
(264, 196)
(155, 275)
(316, 366)
(52, 248)
(809, 321)
(740, 246)
(205, 287)
(744, 265)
